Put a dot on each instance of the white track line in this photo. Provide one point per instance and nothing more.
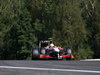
(91, 60)
(48, 69)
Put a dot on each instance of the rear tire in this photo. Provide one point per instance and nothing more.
(35, 54)
(68, 51)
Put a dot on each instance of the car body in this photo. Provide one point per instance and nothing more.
(45, 52)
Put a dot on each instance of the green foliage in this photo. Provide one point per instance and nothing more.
(71, 23)
(70, 26)
(19, 35)
(83, 53)
(91, 14)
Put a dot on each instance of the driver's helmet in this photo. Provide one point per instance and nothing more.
(51, 45)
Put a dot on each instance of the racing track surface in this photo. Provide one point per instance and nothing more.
(49, 67)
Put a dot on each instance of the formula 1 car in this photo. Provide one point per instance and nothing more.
(45, 52)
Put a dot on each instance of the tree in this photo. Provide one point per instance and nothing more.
(71, 23)
(91, 16)
(19, 35)
(70, 29)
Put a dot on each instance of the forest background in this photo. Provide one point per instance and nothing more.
(71, 23)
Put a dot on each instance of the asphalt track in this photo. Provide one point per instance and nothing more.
(49, 67)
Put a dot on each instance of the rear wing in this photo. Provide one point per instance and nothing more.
(45, 41)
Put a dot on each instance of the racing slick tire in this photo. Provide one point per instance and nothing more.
(35, 54)
(68, 51)
(42, 51)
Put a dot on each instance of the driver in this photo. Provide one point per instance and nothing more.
(51, 45)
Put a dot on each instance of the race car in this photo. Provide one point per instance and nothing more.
(46, 52)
